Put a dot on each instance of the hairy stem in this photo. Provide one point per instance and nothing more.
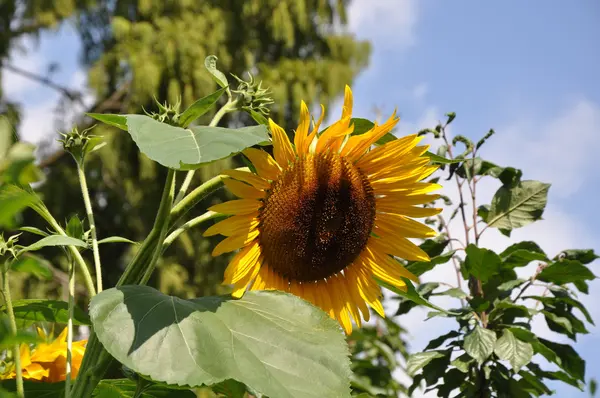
(13, 329)
(70, 329)
(90, 214)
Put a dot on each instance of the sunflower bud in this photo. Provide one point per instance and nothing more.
(7, 247)
(167, 113)
(252, 96)
(79, 144)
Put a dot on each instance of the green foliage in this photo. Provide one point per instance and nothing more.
(39, 310)
(138, 324)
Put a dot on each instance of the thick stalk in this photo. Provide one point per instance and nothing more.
(97, 360)
(230, 106)
(13, 329)
(70, 329)
(162, 224)
(90, 214)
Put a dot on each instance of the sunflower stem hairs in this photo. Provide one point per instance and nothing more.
(327, 214)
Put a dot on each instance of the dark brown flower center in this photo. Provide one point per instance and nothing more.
(316, 218)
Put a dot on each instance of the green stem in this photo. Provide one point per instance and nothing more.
(90, 214)
(70, 329)
(161, 224)
(230, 106)
(209, 215)
(13, 328)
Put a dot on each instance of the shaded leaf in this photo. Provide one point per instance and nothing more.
(463, 362)
(34, 230)
(125, 388)
(453, 292)
(584, 256)
(517, 206)
(417, 361)
(479, 344)
(411, 294)
(47, 310)
(200, 107)
(522, 253)
(481, 263)
(270, 341)
(420, 267)
(438, 341)
(185, 149)
(518, 353)
(116, 239)
(566, 271)
(54, 240)
(14, 199)
(35, 389)
(570, 361)
(74, 228)
(436, 159)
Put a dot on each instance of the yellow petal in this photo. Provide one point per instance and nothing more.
(265, 165)
(243, 190)
(353, 284)
(233, 225)
(250, 178)
(237, 207)
(391, 225)
(302, 131)
(348, 102)
(242, 263)
(282, 147)
(393, 149)
(313, 133)
(359, 144)
(234, 242)
(407, 200)
(399, 247)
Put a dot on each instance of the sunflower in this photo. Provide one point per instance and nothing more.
(327, 214)
(48, 361)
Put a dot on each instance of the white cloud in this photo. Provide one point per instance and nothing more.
(15, 84)
(385, 19)
(561, 150)
(420, 91)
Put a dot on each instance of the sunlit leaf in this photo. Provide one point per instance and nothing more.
(518, 353)
(116, 239)
(566, 271)
(119, 121)
(479, 344)
(270, 341)
(200, 107)
(515, 207)
(180, 148)
(210, 63)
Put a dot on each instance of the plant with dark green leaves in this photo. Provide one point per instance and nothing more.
(494, 349)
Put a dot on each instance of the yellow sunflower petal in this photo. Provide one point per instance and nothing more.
(351, 305)
(260, 282)
(399, 247)
(234, 242)
(243, 190)
(395, 224)
(242, 263)
(302, 131)
(407, 200)
(348, 102)
(233, 225)
(337, 130)
(250, 178)
(237, 207)
(309, 140)
(265, 165)
(339, 304)
(353, 284)
(391, 150)
(415, 188)
(282, 147)
(242, 285)
(359, 144)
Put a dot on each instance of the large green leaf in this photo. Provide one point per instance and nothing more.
(125, 388)
(522, 253)
(479, 344)
(519, 205)
(481, 263)
(569, 359)
(47, 310)
(566, 271)
(54, 240)
(418, 361)
(271, 341)
(518, 353)
(180, 148)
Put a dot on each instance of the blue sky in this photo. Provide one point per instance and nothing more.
(527, 69)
